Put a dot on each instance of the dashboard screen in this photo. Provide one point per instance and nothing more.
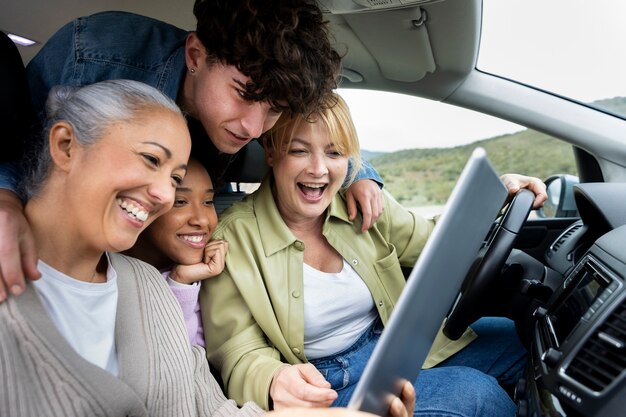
(584, 292)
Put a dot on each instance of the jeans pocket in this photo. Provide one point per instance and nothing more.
(336, 373)
(338, 377)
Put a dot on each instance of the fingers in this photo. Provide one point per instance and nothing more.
(366, 214)
(297, 386)
(396, 409)
(408, 397)
(18, 257)
(318, 412)
(371, 209)
(311, 375)
(12, 277)
(351, 204)
(539, 188)
(511, 182)
(405, 405)
(29, 257)
(212, 264)
(515, 182)
(288, 400)
(377, 207)
(215, 256)
(369, 198)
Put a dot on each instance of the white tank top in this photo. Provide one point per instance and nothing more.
(338, 308)
(83, 312)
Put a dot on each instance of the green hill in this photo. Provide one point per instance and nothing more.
(421, 177)
(616, 105)
(367, 155)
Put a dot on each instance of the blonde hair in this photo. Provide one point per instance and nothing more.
(335, 115)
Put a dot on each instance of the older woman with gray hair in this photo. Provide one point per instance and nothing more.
(100, 333)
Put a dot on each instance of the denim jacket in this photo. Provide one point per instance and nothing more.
(114, 45)
(110, 45)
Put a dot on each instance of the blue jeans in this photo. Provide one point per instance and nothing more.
(497, 351)
(454, 391)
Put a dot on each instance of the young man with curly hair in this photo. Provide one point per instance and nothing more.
(246, 63)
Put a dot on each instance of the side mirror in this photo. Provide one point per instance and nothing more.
(560, 201)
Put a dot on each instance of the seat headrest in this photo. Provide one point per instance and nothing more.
(249, 166)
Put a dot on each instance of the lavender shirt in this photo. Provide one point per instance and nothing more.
(187, 296)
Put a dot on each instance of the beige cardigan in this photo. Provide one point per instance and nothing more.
(161, 375)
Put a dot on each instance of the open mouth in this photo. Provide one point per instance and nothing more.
(133, 210)
(312, 191)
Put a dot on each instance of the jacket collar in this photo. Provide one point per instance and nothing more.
(274, 233)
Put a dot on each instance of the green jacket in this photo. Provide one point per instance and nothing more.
(253, 313)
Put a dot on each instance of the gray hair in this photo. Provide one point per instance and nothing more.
(90, 110)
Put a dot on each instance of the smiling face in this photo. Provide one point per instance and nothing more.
(215, 94)
(117, 186)
(179, 236)
(308, 173)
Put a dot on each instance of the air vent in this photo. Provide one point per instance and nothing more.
(603, 357)
(564, 236)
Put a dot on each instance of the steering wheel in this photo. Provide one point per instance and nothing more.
(487, 266)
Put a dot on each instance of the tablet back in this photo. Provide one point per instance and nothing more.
(432, 285)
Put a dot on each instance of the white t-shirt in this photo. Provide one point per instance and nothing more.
(338, 308)
(83, 312)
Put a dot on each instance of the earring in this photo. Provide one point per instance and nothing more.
(192, 70)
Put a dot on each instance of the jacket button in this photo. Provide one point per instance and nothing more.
(355, 262)
(380, 303)
(296, 351)
(299, 245)
(295, 294)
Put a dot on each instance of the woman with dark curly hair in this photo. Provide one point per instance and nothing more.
(247, 62)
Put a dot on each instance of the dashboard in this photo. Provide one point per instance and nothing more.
(578, 338)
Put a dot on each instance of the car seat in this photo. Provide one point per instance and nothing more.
(16, 114)
(243, 176)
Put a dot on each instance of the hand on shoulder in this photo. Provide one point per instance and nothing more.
(18, 256)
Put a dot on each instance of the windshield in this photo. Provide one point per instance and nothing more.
(572, 48)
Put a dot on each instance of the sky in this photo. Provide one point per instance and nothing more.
(402, 120)
(584, 59)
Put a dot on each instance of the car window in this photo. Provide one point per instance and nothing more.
(420, 146)
(582, 60)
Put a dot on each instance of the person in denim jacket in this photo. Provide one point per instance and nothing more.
(247, 62)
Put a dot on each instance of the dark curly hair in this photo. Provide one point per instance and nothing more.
(283, 46)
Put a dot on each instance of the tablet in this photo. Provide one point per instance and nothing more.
(432, 285)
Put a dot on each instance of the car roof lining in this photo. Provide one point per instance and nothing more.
(407, 24)
(452, 37)
(359, 6)
(437, 57)
(453, 32)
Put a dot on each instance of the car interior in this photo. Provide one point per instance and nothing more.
(562, 274)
